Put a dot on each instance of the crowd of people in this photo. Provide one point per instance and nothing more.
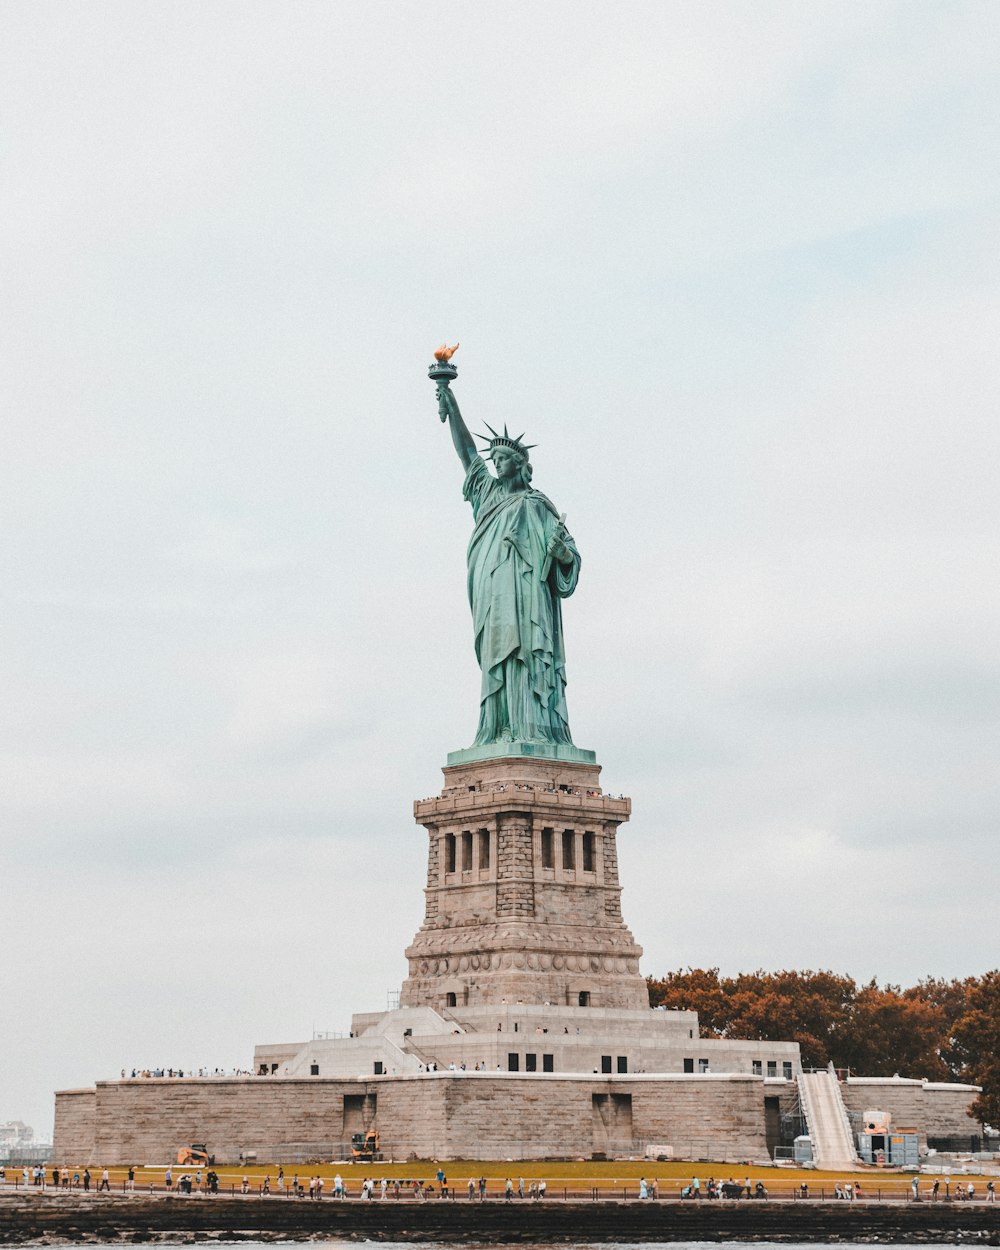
(41, 1177)
(137, 1073)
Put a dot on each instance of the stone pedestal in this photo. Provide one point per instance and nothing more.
(523, 898)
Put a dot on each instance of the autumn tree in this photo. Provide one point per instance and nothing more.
(872, 1030)
(976, 1040)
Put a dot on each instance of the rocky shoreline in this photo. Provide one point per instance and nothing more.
(60, 1219)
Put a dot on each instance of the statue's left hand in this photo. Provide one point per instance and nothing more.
(557, 548)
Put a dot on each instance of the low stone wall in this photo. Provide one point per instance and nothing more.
(930, 1108)
(54, 1219)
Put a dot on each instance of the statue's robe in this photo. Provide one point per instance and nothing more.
(516, 612)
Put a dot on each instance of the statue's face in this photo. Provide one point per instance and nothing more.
(507, 464)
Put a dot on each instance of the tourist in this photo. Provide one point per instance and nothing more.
(105, 1181)
(643, 1191)
(482, 1189)
(970, 1191)
(696, 1186)
(508, 1189)
(338, 1186)
(319, 1187)
(130, 1184)
(168, 1179)
(520, 1186)
(655, 1189)
(934, 1190)
(541, 1189)
(86, 1180)
(472, 1188)
(245, 1185)
(857, 1191)
(383, 1185)
(915, 1188)
(267, 1186)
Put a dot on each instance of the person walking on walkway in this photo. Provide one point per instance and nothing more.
(105, 1182)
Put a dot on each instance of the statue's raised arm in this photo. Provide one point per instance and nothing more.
(464, 443)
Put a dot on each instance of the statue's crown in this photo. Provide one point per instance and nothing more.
(505, 439)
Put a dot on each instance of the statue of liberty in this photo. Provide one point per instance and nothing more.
(522, 562)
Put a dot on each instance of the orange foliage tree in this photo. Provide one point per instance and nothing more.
(871, 1029)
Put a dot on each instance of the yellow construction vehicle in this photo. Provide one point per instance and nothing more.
(195, 1156)
(364, 1146)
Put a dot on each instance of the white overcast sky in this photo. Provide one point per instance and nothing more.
(732, 266)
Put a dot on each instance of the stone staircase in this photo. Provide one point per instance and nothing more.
(826, 1118)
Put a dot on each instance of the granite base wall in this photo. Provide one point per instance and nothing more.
(433, 1115)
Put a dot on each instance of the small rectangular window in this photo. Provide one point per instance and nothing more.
(584, 998)
(605, 1063)
(547, 1063)
(484, 848)
(467, 851)
(588, 852)
(689, 1065)
(548, 850)
(531, 1063)
(772, 1067)
(758, 1068)
(623, 1063)
(786, 1070)
(449, 852)
(569, 849)
(513, 1062)
(314, 1069)
(378, 1067)
(702, 1065)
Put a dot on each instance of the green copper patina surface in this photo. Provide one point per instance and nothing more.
(521, 563)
